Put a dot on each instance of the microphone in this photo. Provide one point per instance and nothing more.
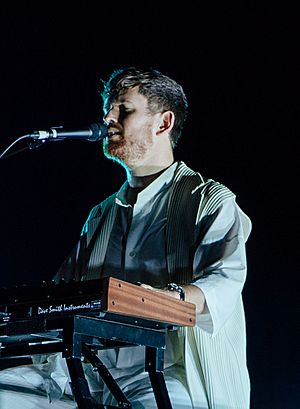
(93, 133)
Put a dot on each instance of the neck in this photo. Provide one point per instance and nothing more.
(143, 176)
(159, 158)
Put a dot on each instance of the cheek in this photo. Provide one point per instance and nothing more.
(138, 128)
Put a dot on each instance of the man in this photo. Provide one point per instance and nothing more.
(168, 224)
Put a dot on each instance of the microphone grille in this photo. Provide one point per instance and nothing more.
(99, 131)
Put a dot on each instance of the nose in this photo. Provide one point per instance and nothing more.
(111, 116)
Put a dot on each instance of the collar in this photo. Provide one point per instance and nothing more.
(161, 183)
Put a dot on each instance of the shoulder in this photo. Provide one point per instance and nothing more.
(216, 192)
(210, 196)
(98, 210)
(206, 187)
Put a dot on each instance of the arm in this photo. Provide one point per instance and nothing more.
(219, 267)
(71, 269)
(193, 294)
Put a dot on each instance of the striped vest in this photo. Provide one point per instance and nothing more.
(191, 198)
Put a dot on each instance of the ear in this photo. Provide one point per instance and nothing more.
(166, 122)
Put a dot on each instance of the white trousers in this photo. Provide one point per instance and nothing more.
(19, 393)
(138, 390)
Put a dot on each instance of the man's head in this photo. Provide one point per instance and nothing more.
(162, 94)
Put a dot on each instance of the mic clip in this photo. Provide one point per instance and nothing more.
(36, 143)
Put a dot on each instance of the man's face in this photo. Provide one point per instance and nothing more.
(132, 129)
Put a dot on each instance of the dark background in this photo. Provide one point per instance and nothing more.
(239, 67)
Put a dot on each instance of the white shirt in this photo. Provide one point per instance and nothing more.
(145, 249)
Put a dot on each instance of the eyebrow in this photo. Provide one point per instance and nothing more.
(121, 100)
(108, 106)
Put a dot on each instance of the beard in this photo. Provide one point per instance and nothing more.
(125, 151)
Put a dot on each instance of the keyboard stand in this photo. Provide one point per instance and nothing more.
(80, 335)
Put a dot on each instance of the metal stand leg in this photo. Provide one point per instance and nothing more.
(154, 366)
(107, 378)
(79, 384)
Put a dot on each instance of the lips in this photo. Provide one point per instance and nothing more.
(113, 133)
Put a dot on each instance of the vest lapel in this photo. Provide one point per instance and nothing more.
(181, 217)
(99, 230)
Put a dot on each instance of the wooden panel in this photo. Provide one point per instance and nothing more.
(129, 299)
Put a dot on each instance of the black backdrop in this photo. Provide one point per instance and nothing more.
(239, 69)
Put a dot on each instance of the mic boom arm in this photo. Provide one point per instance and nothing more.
(94, 132)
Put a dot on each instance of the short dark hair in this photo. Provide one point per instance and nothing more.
(162, 93)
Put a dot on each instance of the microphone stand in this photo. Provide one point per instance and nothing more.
(30, 145)
(95, 132)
